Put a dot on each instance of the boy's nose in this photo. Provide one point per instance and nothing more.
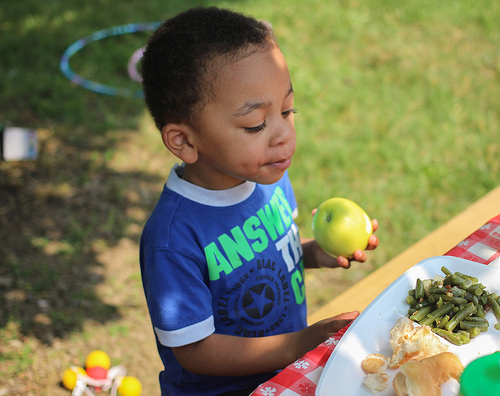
(283, 133)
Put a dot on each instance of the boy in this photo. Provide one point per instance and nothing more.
(221, 258)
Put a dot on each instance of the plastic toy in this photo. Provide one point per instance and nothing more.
(98, 375)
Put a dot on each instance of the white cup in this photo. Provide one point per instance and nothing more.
(19, 144)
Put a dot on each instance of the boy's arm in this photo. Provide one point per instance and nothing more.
(220, 354)
(315, 257)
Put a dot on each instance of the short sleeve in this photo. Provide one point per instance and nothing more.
(179, 301)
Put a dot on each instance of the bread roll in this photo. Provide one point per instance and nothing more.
(411, 342)
(424, 377)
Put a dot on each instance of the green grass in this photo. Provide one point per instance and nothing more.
(398, 109)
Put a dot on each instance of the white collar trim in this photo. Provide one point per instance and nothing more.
(231, 196)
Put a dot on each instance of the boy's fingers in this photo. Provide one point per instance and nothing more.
(343, 262)
(342, 320)
(372, 242)
(347, 315)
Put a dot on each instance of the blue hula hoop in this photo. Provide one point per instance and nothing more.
(96, 36)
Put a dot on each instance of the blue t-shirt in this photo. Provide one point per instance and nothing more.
(227, 262)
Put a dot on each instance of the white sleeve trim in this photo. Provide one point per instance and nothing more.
(186, 335)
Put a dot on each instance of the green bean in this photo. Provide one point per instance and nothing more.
(494, 306)
(480, 311)
(446, 271)
(437, 290)
(419, 289)
(459, 301)
(422, 304)
(468, 310)
(434, 298)
(458, 292)
(476, 289)
(454, 338)
(473, 279)
(440, 311)
(466, 325)
(442, 321)
(472, 298)
(411, 300)
(420, 314)
(454, 280)
(426, 321)
(474, 332)
(476, 319)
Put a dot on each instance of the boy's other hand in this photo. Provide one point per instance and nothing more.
(328, 327)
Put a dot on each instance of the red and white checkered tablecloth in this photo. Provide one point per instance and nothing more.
(301, 377)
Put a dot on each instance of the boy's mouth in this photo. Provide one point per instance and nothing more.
(282, 164)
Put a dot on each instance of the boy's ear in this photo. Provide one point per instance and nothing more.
(178, 138)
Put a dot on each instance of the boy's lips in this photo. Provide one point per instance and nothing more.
(281, 164)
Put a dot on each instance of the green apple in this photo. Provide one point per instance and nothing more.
(340, 226)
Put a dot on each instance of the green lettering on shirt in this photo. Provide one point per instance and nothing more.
(298, 286)
(251, 230)
(271, 218)
(236, 247)
(216, 262)
(284, 206)
(253, 236)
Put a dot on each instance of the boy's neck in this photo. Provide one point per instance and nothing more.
(191, 174)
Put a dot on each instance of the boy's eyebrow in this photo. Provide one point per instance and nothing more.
(247, 108)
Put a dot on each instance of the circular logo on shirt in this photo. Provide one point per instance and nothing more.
(258, 301)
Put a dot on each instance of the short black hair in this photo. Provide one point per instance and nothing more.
(176, 62)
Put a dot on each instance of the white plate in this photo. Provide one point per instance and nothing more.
(369, 333)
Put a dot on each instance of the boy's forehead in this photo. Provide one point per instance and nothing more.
(222, 66)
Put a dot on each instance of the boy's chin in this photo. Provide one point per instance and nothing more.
(270, 179)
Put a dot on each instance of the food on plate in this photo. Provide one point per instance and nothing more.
(424, 377)
(412, 342)
(375, 363)
(376, 382)
(408, 342)
(453, 305)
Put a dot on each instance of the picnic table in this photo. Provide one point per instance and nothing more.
(474, 234)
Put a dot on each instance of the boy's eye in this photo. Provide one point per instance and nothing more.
(257, 128)
(288, 112)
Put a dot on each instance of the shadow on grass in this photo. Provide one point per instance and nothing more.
(56, 213)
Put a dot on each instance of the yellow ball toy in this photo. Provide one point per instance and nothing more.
(70, 376)
(97, 359)
(130, 386)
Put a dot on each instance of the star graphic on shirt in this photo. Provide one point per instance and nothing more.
(258, 301)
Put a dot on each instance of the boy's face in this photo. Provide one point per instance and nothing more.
(247, 131)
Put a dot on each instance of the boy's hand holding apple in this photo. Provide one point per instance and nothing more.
(343, 230)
